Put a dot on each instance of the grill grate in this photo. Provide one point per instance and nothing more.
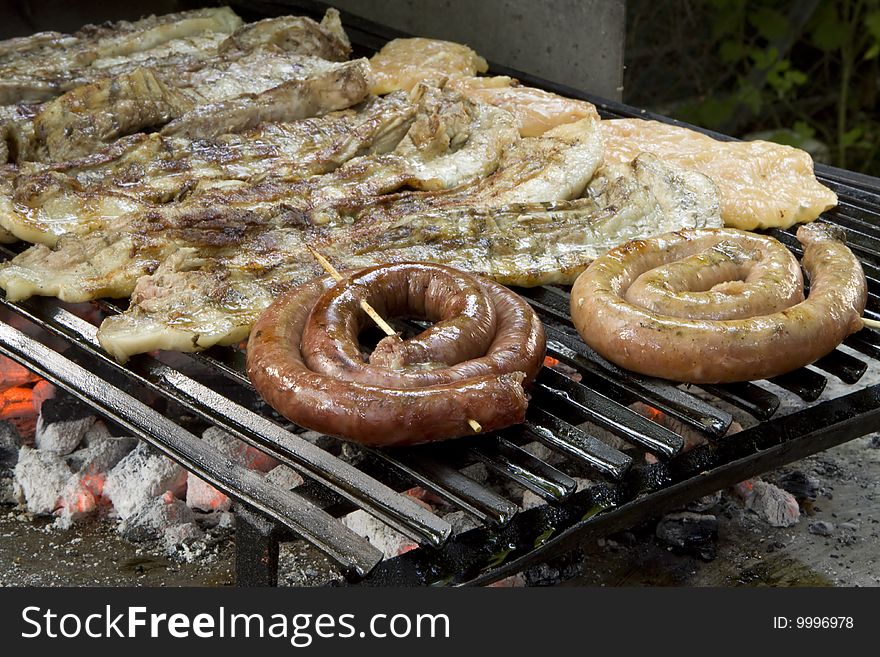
(565, 415)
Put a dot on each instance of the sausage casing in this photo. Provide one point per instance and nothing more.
(303, 357)
(753, 343)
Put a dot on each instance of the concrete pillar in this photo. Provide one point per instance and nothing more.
(574, 42)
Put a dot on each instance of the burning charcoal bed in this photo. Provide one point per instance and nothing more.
(602, 449)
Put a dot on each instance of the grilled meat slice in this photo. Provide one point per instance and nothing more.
(108, 261)
(81, 120)
(299, 34)
(536, 244)
(322, 90)
(43, 66)
(228, 94)
(141, 171)
(452, 142)
(195, 300)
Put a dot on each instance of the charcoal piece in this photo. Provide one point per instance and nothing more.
(64, 407)
(61, 435)
(202, 495)
(690, 532)
(284, 477)
(821, 528)
(40, 479)
(152, 520)
(777, 507)
(10, 442)
(184, 534)
(800, 484)
(140, 476)
(101, 452)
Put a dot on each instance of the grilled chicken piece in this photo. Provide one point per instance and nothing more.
(40, 67)
(536, 110)
(762, 185)
(404, 63)
(299, 34)
(195, 300)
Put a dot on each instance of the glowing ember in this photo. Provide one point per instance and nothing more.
(654, 414)
(12, 374)
(43, 390)
(562, 368)
(94, 483)
(17, 402)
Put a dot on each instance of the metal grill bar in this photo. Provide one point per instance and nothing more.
(351, 551)
(569, 439)
(424, 465)
(398, 511)
(533, 473)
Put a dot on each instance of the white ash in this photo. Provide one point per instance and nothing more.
(139, 477)
(151, 520)
(777, 507)
(476, 471)
(62, 436)
(530, 500)
(582, 483)
(101, 451)
(284, 477)
(202, 495)
(176, 536)
(541, 451)
(461, 521)
(76, 501)
(389, 541)
(39, 479)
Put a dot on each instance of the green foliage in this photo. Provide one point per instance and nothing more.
(802, 70)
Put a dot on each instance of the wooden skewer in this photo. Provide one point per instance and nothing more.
(330, 269)
(871, 323)
(367, 308)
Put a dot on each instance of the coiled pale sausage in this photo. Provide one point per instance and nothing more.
(486, 342)
(716, 306)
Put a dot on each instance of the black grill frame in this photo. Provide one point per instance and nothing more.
(508, 540)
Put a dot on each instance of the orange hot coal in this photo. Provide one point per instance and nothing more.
(13, 375)
(17, 402)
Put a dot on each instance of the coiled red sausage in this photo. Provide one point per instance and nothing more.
(486, 342)
(717, 306)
